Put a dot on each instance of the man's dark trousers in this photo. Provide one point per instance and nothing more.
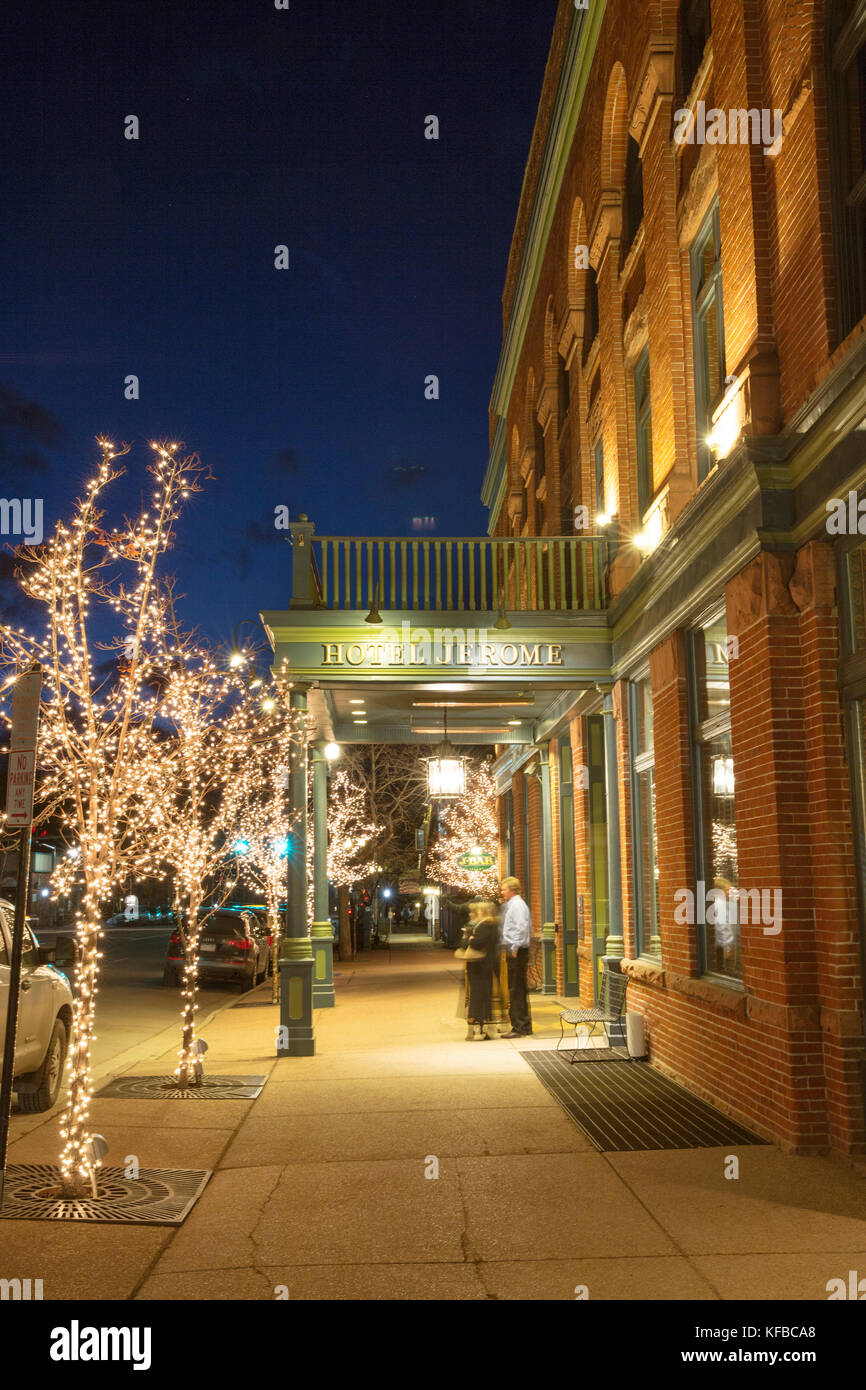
(518, 1003)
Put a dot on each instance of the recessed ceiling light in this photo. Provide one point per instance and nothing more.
(360, 721)
(513, 722)
(356, 702)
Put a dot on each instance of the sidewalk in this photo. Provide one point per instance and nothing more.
(320, 1184)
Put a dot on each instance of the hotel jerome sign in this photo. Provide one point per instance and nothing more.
(479, 655)
(334, 648)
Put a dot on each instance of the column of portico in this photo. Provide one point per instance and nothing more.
(321, 932)
(296, 1037)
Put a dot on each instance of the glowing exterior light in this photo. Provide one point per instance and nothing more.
(332, 751)
(236, 659)
(445, 777)
(241, 847)
(603, 519)
(446, 770)
(723, 776)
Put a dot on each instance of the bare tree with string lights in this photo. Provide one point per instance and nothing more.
(98, 589)
(216, 728)
(469, 823)
(256, 820)
(351, 840)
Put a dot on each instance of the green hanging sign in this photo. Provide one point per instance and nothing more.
(476, 859)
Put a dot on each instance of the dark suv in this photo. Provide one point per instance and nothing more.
(233, 946)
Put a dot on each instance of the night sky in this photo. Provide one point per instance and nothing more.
(155, 257)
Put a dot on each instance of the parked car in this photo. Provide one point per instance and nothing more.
(44, 1018)
(233, 946)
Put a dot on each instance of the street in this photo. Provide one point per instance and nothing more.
(134, 1005)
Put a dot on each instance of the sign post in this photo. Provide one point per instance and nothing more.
(19, 813)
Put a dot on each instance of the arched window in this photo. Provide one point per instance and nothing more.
(633, 192)
(695, 29)
(846, 61)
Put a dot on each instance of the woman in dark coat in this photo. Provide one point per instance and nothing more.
(481, 944)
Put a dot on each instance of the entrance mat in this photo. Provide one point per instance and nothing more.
(573, 1055)
(627, 1106)
(160, 1088)
(157, 1197)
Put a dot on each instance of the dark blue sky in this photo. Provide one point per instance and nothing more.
(156, 257)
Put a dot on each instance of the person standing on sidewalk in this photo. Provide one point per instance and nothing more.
(516, 934)
(479, 949)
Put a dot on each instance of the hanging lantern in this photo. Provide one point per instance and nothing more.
(446, 771)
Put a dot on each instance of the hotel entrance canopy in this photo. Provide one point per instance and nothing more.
(503, 632)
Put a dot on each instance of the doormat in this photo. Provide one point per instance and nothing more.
(623, 1107)
(157, 1197)
(573, 1055)
(158, 1088)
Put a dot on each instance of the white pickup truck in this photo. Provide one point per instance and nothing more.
(44, 1018)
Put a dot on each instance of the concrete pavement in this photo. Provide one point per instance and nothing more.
(325, 1187)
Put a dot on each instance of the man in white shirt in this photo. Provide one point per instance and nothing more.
(516, 934)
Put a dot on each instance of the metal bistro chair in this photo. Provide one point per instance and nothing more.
(610, 1009)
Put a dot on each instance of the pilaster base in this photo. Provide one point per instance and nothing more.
(548, 958)
(296, 1037)
(322, 943)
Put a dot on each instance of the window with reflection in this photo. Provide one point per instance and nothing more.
(709, 332)
(715, 800)
(846, 90)
(644, 825)
(644, 425)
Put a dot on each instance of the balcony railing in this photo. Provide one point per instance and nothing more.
(448, 574)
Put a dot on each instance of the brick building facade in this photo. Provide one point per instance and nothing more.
(683, 371)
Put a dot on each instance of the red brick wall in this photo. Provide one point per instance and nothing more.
(777, 262)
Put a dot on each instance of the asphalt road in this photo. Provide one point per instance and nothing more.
(133, 1004)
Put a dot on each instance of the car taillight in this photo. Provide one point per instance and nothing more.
(174, 939)
(243, 944)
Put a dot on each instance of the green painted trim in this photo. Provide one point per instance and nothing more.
(296, 948)
(320, 929)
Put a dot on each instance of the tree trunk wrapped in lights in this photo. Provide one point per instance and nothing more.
(466, 825)
(349, 835)
(98, 743)
(256, 820)
(220, 734)
(350, 841)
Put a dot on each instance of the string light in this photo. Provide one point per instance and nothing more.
(98, 742)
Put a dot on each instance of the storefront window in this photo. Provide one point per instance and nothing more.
(719, 934)
(644, 831)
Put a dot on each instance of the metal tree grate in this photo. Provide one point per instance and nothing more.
(159, 1088)
(157, 1197)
